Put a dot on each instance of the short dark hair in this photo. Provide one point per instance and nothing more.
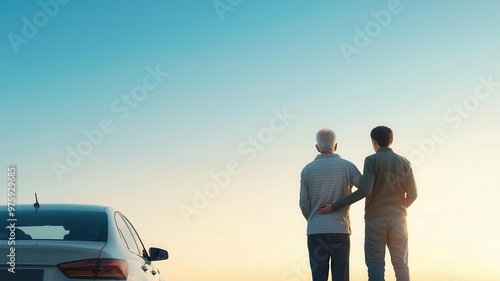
(382, 135)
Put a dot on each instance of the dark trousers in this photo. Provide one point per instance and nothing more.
(326, 248)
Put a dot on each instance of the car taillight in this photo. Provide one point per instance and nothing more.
(95, 269)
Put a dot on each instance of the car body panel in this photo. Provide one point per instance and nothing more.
(53, 252)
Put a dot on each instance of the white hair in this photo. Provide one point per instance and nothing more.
(326, 140)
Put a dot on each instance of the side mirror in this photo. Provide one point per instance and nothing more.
(157, 254)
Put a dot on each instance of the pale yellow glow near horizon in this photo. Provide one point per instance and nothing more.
(255, 230)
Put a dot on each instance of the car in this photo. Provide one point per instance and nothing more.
(70, 242)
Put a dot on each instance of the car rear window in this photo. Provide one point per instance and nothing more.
(54, 225)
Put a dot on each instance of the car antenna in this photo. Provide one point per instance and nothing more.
(36, 205)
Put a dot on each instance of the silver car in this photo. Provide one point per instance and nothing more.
(59, 242)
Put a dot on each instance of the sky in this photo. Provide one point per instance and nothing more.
(195, 118)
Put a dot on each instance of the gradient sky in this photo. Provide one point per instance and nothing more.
(196, 122)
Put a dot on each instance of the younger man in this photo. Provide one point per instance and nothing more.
(389, 187)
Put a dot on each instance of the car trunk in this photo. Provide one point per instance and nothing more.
(54, 252)
(33, 259)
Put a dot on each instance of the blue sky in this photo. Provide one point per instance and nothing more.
(178, 91)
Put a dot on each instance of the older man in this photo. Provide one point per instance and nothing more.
(327, 179)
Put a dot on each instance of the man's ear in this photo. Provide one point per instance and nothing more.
(375, 145)
(335, 147)
(317, 148)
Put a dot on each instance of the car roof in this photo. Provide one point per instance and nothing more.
(60, 207)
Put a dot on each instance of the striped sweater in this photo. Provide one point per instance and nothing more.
(327, 179)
